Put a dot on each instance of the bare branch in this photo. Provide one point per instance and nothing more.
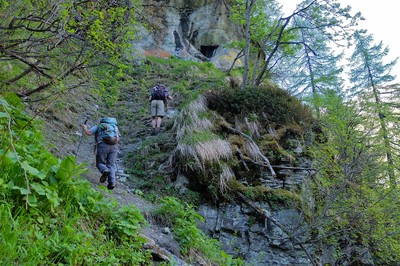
(25, 61)
(26, 72)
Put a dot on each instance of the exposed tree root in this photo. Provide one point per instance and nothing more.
(258, 151)
(243, 160)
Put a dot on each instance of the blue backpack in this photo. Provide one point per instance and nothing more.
(108, 131)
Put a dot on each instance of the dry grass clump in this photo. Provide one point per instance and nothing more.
(251, 126)
(252, 150)
(225, 177)
(197, 144)
(201, 153)
(190, 121)
(214, 150)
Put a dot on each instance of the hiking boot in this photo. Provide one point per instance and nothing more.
(154, 132)
(110, 186)
(104, 176)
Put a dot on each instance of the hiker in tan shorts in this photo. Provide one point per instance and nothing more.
(159, 96)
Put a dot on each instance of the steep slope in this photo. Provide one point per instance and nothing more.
(206, 158)
(64, 136)
(238, 156)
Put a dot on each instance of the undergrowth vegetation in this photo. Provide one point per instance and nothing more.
(49, 215)
(183, 218)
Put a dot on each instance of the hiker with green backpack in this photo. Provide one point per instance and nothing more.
(107, 138)
(158, 98)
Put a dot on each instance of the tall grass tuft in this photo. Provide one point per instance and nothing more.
(198, 146)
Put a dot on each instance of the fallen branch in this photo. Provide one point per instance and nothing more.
(266, 215)
(294, 168)
(259, 153)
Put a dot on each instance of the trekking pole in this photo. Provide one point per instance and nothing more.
(96, 114)
(81, 137)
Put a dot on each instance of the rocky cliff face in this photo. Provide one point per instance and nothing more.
(195, 30)
(198, 30)
(271, 239)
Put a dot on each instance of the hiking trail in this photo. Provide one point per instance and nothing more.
(160, 240)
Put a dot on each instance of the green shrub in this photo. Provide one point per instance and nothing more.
(183, 218)
(49, 214)
(271, 105)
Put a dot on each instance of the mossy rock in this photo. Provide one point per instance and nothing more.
(275, 197)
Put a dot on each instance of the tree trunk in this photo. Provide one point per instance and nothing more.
(249, 6)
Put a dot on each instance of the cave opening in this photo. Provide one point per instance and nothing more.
(208, 50)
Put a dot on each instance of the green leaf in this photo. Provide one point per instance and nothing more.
(52, 176)
(12, 156)
(41, 175)
(3, 114)
(40, 219)
(32, 201)
(31, 170)
(67, 168)
(38, 188)
(53, 197)
(23, 190)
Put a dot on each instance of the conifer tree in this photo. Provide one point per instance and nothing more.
(325, 17)
(369, 74)
(314, 68)
(354, 209)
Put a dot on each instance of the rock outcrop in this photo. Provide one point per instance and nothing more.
(261, 233)
(193, 30)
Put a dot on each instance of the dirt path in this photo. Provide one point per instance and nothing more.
(64, 136)
(160, 240)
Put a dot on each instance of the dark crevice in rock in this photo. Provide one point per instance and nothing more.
(208, 50)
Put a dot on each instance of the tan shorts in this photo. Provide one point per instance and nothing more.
(157, 108)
